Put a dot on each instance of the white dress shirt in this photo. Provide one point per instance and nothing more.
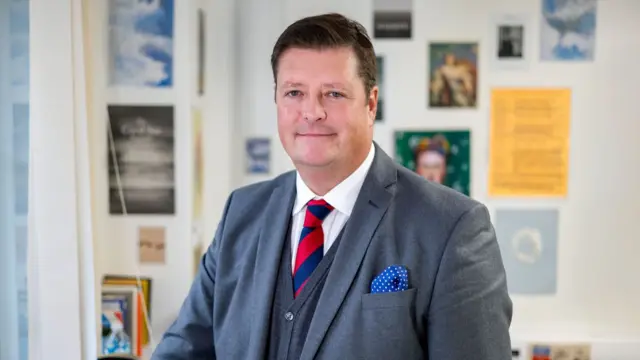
(342, 198)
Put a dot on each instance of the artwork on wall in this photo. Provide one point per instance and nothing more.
(392, 19)
(529, 142)
(453, 74)
(510, 48)
(258, 155)
(381, 89)
(528, 241)
(142, 176)
(201, 51)
(567, 31)
(19, 43)
(569, 351)
(198, 165)
(141, 43)
(440, 156)
(151, 244)
(20, 157)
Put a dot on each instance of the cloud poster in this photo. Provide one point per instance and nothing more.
(141, 43)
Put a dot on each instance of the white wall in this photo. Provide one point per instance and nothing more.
(116, 236)
(598, 291)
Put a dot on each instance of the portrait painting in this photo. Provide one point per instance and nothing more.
(141, 43)
(453, 75)
(442, 157)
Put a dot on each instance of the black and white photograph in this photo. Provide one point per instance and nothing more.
(510, 48)
(141, 141)
(510, 41)
(392, 19)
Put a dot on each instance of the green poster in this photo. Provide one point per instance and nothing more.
(439, 156)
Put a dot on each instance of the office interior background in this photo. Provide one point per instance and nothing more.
(78, 78)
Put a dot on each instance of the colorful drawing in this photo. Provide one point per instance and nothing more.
(439, 156)
(453, 74)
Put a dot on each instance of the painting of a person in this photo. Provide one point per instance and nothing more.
(430, 157)
(453, 82)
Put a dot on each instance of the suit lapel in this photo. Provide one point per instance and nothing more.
(276, 218)
(373, 201)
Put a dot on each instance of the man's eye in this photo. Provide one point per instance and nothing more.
(335, 94)
(293, 93)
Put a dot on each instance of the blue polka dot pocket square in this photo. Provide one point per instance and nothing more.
(393, 279)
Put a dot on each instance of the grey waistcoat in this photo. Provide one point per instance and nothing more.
(290, 318)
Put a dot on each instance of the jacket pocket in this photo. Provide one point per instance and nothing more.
(389, 300)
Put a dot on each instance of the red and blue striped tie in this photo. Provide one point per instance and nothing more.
(311, 244)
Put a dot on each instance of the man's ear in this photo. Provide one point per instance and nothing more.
(372, 103)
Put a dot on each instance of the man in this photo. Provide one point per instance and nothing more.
(351, 256)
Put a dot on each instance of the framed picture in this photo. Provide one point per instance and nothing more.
(510, 48)
(453, 74)
(442, 157)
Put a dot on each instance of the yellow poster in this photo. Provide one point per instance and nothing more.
(198, 166)
(529, 142)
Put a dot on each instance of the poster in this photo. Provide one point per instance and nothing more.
(258, 155)
(560, 351)
(392, 19)
(201, 51)
(453, 75)
(198, 165)
(21, 158)
(568, 30)
(151, 245)
(529, 142)
(511, 45)
(528, 241)
(381, 91)
(141, 42)
(142, 176)
(440, 156)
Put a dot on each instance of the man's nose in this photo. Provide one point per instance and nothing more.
(313, 110)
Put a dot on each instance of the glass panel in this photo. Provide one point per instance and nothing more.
(14, 168)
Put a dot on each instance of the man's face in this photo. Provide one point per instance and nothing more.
(432, 166)
(324, 115)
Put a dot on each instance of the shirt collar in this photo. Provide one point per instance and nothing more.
(342, 197)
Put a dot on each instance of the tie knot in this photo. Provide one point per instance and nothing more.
(317, 211)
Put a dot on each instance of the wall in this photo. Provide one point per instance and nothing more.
(598, 291)
(116, 236)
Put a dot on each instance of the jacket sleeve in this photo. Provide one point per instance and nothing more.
(190, 337)
(470, 312)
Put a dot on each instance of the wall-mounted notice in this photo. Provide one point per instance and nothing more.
(392, 19)
(529, 153)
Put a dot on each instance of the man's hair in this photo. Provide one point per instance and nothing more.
(329, 31)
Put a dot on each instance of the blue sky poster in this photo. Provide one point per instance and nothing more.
(568, 30)
(141, 42)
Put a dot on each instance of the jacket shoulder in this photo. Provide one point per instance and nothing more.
(425, 197)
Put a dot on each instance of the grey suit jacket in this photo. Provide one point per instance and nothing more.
(457, 307)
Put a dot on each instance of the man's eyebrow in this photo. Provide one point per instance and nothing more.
(291, 84)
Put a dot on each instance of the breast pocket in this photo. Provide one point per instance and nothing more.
(389, 325)
(389, 300)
